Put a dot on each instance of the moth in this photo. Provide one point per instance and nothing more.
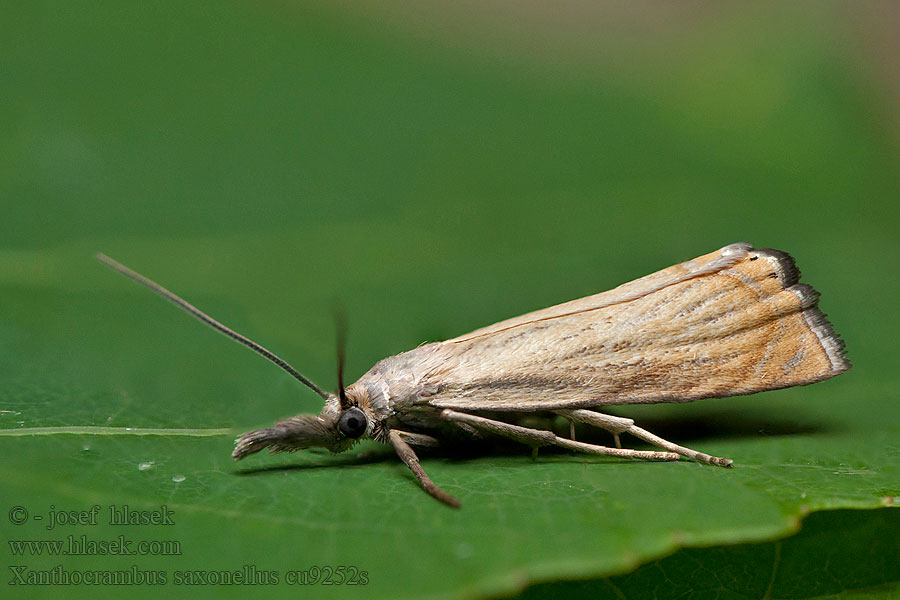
(732, 322)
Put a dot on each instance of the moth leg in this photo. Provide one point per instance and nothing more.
(408, 456)
(537, 437)
(617, 425)
(419, 439)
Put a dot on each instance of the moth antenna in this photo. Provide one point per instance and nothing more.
(341, 323)
(183, 304)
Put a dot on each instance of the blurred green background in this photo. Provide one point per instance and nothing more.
(434, 167)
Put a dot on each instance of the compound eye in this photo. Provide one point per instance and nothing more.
(353, 423)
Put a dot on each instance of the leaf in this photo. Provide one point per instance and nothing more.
(264, 161)
(113, 363)
(840, 554)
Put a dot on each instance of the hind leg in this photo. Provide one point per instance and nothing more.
(617, 425)
(537, 438)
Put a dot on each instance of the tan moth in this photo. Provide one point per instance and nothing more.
(734, 321)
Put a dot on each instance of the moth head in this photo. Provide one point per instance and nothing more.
(345, 419)
(340, 425)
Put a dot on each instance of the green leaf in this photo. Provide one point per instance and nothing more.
(840, 554)
(265, 162)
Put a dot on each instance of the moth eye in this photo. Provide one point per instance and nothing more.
(353, 423)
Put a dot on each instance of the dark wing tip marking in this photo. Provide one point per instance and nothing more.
(830, 340)
(784, 264)
(809, 297)
(789, 276)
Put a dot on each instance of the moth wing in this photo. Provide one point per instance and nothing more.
(703, 265)
(731, 322)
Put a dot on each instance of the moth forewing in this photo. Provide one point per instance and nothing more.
(708, 263)
(734, 321)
